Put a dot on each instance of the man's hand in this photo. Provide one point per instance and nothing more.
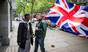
(36, 28)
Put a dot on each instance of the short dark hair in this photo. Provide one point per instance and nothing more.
(26, 15)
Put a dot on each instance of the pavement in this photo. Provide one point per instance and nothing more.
(55, 41)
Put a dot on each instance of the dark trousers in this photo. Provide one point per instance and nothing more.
(39, 41)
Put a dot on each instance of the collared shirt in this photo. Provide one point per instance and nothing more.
(28, 28)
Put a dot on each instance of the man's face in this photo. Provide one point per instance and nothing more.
(38, 17)
(27, 18)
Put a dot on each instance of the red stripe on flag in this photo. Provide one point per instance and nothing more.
(74, 28)
(64, 3)
(52, 13)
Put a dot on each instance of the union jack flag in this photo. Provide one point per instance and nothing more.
(70, 17)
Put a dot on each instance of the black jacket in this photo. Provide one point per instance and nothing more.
(22, 34)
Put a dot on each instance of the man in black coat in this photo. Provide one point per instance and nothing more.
(25, 34)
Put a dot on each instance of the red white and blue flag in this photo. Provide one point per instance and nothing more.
(70, 17)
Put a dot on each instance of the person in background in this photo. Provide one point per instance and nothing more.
(40, 33)
(25, 34)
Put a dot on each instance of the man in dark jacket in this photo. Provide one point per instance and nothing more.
(25, 34)
(40, 33)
